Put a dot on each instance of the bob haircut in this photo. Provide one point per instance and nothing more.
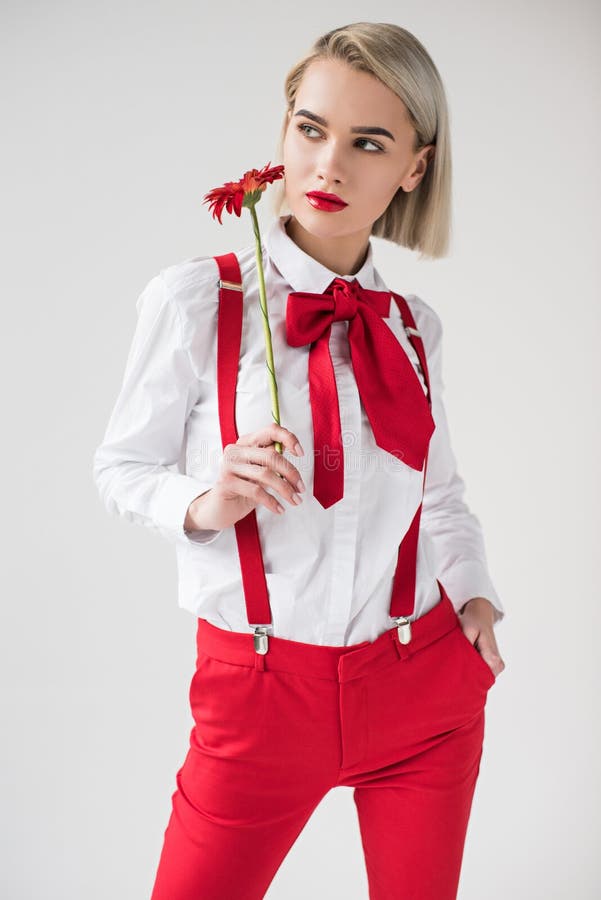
(419, 219)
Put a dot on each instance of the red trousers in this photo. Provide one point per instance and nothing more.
(403, 724)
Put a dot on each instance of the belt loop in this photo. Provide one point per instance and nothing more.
(402, 649)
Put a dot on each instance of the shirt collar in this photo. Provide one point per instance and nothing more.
(303, 272)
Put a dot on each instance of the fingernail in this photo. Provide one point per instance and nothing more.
(298, 449)
(301, 485)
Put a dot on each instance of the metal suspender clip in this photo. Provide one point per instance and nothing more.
(403, 628)
(409, 331)
(261, 638)
(232, 285)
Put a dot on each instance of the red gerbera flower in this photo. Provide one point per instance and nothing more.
(246, 192)
(233, 196)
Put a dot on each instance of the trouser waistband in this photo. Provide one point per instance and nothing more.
(323, 661)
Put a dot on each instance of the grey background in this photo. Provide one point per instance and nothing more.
(118, 118)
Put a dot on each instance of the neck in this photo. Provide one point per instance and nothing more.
(343, 255)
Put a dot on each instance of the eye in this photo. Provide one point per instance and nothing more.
(304, 125)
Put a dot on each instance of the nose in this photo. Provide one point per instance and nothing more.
(330, 167)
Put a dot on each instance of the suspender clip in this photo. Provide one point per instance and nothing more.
(261, 639)
(403, 628)
(232, 285)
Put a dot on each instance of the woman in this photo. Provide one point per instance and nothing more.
(345, 611)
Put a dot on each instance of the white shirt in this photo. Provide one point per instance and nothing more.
(329, 571)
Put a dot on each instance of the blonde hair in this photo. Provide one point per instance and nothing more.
(419, 219)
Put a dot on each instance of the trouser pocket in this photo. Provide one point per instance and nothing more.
(228, 705)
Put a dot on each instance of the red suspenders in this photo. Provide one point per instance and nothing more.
(229, 334)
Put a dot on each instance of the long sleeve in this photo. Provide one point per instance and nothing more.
(137, 466)
(455, 530)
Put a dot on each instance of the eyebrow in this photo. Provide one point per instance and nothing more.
(363, 129)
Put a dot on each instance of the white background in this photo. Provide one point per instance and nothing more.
(117, 119)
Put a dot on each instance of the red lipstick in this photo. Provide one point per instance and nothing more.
(325, 202)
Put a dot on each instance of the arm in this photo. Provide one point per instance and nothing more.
(135, 466)
(455, 530)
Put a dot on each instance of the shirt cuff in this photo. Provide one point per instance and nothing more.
(470, 579)
(172, 504)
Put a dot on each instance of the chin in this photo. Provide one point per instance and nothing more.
(316, 222)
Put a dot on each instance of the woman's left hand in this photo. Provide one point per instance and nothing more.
(476, 618)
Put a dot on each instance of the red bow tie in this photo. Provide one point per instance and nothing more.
(390, 391)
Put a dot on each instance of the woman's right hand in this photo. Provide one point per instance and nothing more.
(247, 468)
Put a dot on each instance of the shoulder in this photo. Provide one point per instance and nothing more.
(189, 287)
(189, 284)
(193, 283)
(188, 293)
(428, 322)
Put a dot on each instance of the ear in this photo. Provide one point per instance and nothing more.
(426, 154)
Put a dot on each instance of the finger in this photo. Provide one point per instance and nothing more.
(270, 435)
(267, 477)
(489, 651)
(475, 637)
(483, 640)
(471, 632)
(253, 492)
(282, 469)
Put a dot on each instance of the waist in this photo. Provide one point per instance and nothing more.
(337, 663)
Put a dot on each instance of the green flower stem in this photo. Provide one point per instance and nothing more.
(275, 408)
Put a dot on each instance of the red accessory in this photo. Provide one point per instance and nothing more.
(258, 609)
(398, 410)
